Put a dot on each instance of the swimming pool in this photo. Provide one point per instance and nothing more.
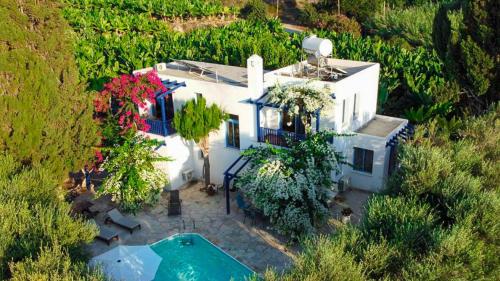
(191, 257)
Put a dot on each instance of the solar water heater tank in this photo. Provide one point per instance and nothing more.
(319, 47)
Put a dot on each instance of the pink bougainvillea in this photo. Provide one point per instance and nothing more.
(123, 96)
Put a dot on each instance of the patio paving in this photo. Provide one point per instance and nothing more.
(257, 246)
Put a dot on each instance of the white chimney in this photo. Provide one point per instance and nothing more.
(255, 73)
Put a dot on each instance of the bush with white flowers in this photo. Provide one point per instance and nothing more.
(300, 99)
(288, 185)
(133, 179)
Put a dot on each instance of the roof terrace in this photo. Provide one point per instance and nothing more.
(324, 69)
(205, 71)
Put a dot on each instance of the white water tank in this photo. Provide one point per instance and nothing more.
(318, 47)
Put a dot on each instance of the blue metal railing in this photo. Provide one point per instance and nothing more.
(279, 137)
(157, 127)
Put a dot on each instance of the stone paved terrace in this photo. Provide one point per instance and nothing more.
(257, 246)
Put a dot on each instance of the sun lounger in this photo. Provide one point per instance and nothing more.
(174, 204)
(106, 234)
(117, 218)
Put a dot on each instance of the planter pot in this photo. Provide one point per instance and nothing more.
(346, 219)
(346, 215)
(211, 190)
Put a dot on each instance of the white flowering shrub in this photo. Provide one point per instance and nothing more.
(288, 185)
(133, 179)
(300, 99)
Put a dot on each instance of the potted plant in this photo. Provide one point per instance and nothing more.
(211, 189)
(346, 215)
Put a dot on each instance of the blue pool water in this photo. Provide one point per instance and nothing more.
(190, 257)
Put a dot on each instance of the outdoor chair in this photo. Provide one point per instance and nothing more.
(174, 204)
(84, 208)
(248, 210)
(117, 218)
(106, 234)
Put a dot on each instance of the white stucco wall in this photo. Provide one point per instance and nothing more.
(232, 99)
(376, 180)
(365, 85)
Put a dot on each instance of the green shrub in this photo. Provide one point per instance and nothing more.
(254, 10)
(381, 258)
(324, 20)
(309, 15)
(322, 259)
(343, 24)
(362, 10)
(438, 220)
(289, 185)
(33, 215)
(53, 264)
(413, 24)
(405, 223)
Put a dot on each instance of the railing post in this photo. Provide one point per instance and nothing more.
(226, 190)
(163, 115)
(259, 135)
(317, 120)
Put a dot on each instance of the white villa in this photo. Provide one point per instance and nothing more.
(241, 92)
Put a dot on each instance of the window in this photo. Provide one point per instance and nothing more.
(363, 160)
(355, 110)
(343, 111)
(233, 132)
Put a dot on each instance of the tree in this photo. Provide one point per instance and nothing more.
(133, 179)
(46, 113)
(195, 121)
(466, 36)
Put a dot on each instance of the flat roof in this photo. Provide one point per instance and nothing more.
(237, 76)
(331, 69)
(205, 71)
(380, 126)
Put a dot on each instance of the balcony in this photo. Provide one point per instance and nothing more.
(279, 137)
(160, 128)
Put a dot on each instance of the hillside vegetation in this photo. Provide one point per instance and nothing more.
(47, 130)
(437, 221)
